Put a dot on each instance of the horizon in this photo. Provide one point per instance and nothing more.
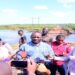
(37, 24)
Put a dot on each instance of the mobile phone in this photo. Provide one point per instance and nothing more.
(19, 64)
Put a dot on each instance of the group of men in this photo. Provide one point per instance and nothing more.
(44, 52)
(51, 55)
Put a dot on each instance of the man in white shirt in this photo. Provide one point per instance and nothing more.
(5, 53)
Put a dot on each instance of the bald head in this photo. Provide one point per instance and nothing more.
(36, 37)
(5, 69)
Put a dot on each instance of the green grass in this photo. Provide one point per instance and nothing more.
(26, 27)
(72, 26)
(31, 27)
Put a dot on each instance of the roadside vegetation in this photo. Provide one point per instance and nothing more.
(29, 27)
(72, 26)
(32, 27)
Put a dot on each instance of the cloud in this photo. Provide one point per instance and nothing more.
(24, 19)
(40, 7)
(10, 12)
(62, 14)
(66, 1)
(67, 5)
(51, 17)
(58, 14)
(62, 17)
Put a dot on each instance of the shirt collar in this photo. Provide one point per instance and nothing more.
(35, 44)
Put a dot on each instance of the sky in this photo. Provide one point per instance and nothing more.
(37, 11)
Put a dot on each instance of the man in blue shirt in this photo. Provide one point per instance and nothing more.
(37, 50)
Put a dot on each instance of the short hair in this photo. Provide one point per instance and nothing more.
(36, 32)
(0, 39)
(20, 31)
(59, 36)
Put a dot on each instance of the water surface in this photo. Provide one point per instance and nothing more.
(12, 37)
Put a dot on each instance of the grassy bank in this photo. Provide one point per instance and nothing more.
(33, 26)
(72, 26)
(26, 26)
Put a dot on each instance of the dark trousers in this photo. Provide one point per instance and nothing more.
(48, 65)
(60, 69)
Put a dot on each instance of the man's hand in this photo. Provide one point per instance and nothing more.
(23, 54)
(49, 57)
(31, 67)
